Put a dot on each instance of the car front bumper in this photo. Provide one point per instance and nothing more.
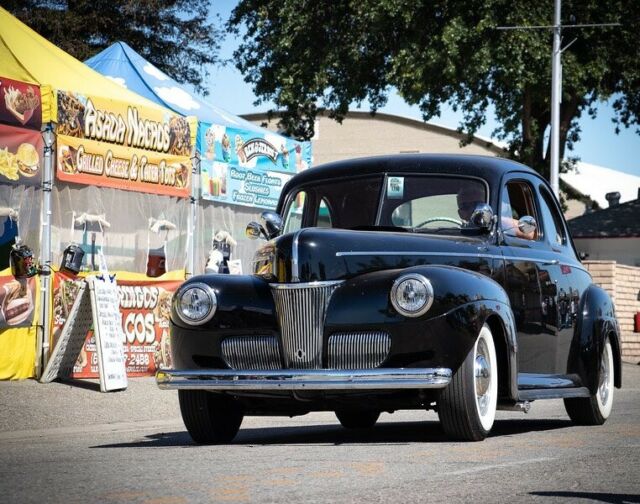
(221, 380)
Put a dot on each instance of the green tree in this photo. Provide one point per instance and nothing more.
(173, 34)
(306, 56)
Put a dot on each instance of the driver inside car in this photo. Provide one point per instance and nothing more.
(470, 196)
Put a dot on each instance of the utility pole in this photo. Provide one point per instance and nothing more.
(556, 99)
(556, 85)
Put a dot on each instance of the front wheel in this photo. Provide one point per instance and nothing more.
(596, 409)
(210, 418)
(467, 406)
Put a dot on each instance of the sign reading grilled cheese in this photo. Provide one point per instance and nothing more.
(106, 143)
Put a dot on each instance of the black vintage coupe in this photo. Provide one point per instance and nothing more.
(401, 282)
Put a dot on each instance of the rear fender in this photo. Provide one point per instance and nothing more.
(596, 322)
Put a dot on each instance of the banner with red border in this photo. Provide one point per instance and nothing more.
(145, 307)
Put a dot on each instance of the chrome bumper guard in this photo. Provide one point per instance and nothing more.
(304, 379)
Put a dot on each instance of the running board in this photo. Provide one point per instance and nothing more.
(556, 393)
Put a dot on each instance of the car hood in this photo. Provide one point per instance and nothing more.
(314, 254)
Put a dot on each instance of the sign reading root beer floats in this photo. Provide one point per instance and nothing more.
(111, 144)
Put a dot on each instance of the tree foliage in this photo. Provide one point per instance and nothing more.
(306, 56)
(173, 34)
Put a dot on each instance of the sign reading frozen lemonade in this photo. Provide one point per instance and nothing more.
(111, 144)
(246, 167)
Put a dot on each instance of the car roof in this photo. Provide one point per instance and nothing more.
(490, 168)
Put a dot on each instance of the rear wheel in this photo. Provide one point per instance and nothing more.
(210, 418)
(596, 409)
(467, 406)
(357, 419)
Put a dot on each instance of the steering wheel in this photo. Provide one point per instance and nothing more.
(443, 219)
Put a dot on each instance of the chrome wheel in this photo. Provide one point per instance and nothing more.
(485, 379)
(467, 406)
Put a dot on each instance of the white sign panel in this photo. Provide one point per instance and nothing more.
(107, 326)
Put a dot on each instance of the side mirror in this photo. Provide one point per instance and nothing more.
(527, 224)
(482, 217)
(270, 228)
(272, 223)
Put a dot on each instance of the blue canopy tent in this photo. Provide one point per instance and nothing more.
(242, 166)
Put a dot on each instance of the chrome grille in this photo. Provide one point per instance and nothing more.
(301, 310)
(358, 350)
(251, 352)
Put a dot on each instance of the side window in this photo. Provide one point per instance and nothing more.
(323, 219)
(552, 218)
(293, 218)
(517, 202)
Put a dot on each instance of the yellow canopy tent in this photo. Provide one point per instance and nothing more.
(28, 57)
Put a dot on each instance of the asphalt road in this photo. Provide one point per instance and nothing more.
(61, 443)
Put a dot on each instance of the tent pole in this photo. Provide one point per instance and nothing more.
(192, 233)
(45, 250)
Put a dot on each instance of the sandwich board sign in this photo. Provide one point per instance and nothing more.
(96, 304)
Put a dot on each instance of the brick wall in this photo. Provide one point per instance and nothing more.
(623, 283)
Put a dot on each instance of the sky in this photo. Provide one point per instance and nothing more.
(599, 144)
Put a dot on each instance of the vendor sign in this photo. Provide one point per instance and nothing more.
(20, 104)
(21, 155)
(145, 307)
(248, 168)
(111, 144)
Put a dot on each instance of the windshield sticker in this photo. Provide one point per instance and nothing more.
(395, 187)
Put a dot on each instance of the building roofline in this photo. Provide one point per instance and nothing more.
(407, 121)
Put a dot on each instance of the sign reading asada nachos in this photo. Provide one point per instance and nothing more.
(112, 144)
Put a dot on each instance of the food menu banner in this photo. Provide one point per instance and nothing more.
(112, 144)
(21, 155)
(17, 302)
(145, 307)
(243, 167)
(20, 104)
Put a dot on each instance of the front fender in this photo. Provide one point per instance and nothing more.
(244, 303)
(445, 334)
(596, 321)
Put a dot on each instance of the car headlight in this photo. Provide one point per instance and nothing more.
(412, 295)
(196, 303)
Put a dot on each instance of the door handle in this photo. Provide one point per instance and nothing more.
(553, 262)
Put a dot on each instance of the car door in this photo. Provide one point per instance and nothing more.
(571, 279)
(532, 270)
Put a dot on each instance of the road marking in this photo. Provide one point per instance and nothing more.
(471, 470)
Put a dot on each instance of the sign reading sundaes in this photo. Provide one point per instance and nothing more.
(244, 167)
(113, 144)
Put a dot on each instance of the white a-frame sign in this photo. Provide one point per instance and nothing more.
(97, 303)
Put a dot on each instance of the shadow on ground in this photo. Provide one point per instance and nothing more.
(382, 433)
(593, 496)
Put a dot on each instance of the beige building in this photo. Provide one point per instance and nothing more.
(362, 135)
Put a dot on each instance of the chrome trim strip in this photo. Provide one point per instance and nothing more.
(290, 379)
(306, 285)
(547, 262)
(295, 270)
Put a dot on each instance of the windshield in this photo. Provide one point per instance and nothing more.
(430, 203)
(421, 203)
